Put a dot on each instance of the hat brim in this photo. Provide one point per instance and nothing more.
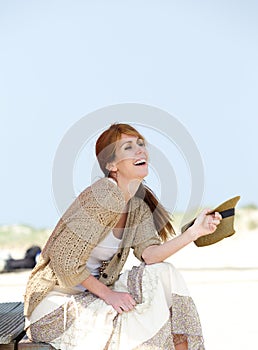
(224, 229)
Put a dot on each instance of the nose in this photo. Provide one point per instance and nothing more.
(139, 149)
(141, 152)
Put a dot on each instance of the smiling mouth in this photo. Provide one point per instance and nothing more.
(140, 162)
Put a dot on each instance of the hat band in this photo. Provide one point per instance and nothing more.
(227, 213)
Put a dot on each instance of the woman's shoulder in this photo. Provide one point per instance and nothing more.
(102, 184)
(104, 192)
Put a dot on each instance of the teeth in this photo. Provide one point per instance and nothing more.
(141, 161)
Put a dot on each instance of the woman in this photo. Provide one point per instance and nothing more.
(77, 297)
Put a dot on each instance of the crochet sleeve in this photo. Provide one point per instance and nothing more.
(146, 234)
(93, 213)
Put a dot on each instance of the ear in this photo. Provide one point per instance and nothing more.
(111, 167)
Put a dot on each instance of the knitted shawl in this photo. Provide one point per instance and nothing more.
(86, 222)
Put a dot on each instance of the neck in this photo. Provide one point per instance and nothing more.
(129, 188)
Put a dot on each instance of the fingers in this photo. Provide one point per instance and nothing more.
(126, 307)
(217, 215)
(124, 302)
(128, 304)
(118, 309)
(212, 227)
(214, 214)
(216, 218)
(205, 211)
(213, 221)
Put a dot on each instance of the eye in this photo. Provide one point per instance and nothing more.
(141, 143)
(128, 147)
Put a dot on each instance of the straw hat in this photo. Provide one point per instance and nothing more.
(224, 229)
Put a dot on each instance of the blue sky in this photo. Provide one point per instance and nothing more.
(61, 60)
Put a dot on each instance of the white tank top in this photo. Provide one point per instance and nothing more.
(103, 251)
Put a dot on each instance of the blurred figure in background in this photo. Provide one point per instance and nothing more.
(28, 262)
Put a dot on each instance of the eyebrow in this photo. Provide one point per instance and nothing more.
(130, 141)
(125, 143)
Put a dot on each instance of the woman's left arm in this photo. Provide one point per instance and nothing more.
(204, 224)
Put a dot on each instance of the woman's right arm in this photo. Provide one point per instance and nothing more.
(120, 301)
(204, 224)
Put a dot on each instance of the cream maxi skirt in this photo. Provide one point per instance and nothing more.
(165, 315)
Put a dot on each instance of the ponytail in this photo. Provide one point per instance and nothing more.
(161, 217)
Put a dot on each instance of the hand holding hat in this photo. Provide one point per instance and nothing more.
(212, 226)
(205, 223)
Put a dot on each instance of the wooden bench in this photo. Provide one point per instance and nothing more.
(11, 325)
(12, 334)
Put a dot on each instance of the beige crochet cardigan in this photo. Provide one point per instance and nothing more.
(86, 222)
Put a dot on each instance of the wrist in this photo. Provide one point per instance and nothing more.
(104, 293)
(96, 287)
(191, 233)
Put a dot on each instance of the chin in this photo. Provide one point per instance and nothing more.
(143, 175)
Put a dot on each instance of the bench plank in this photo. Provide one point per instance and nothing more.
(26, 344)
(10, 346)
(11, 321)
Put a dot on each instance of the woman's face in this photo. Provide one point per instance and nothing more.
(131, 158)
